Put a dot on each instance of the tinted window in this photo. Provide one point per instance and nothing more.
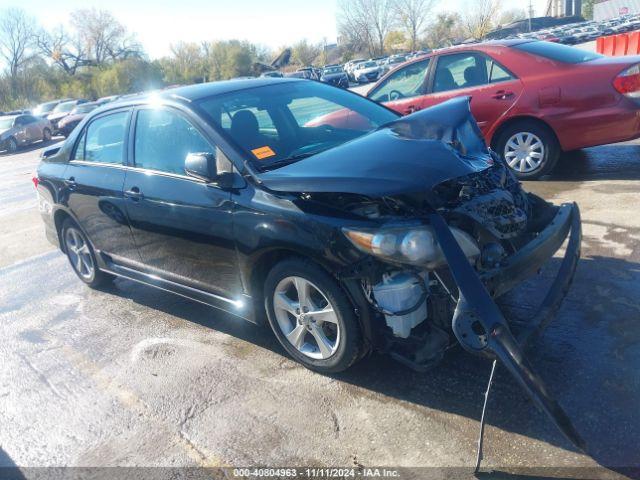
(462, 70)
(103, 140)
(557, 52)
(406, 82)
(164, 139)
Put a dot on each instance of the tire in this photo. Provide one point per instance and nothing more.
(12, 145)
(81, 255)
(542, 143)
(46, 135)
(339, 328)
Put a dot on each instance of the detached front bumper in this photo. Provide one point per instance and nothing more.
(478, 322)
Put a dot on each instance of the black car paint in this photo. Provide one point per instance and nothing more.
(211, 242)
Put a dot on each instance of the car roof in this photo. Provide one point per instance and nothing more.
(192, 93)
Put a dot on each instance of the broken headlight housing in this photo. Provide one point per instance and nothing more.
(408, 245)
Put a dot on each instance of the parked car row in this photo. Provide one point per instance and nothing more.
(582, 32)
(57, 117)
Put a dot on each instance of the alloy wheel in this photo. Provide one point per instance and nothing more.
(79, 253)
(306, 318)
(524, 152)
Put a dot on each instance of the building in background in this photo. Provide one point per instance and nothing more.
(606, 9)
(564, 8)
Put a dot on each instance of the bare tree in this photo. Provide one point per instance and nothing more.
(65, 50)
(445, 30)
(17, 33)
(366, 23)
(480, 16)
(102, 36)
(412, 15)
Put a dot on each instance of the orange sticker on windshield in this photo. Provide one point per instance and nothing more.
(263, 152)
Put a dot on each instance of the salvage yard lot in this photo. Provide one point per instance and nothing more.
(138, 377)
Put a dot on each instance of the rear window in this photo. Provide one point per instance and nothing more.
(557, 52)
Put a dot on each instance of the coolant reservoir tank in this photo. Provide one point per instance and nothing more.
(400, 291)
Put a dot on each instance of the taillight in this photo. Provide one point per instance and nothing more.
(628, 82)
(35, 181)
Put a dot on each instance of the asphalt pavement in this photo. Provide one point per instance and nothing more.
(131, 376)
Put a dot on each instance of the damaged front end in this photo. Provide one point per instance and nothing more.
(451, 230)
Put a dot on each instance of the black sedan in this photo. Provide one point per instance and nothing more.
(335, 75)
(348, 227)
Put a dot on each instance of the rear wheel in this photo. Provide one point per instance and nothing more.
(12, 145)
(81, 255)
(529, 148)
(311, 316)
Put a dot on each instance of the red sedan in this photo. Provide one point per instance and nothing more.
(531, 99)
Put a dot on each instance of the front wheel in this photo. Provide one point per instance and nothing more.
(529, 149)
(46, 135)
(312, 317)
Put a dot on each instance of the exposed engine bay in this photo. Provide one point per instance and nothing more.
(490, 207)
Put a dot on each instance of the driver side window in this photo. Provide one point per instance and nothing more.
(405, 83)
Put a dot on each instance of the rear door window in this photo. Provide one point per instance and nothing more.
(460, 70)
(103, 140)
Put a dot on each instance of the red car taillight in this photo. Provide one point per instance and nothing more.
(628, 82)
(35, 181)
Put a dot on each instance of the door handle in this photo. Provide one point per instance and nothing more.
(134, 194)
(70, 183)
(502, 94)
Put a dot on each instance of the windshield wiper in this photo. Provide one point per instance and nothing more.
(289, 160)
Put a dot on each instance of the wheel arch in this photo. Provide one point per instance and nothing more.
(262, 265)
(517, 119)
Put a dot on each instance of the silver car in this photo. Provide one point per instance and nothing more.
(21, 130)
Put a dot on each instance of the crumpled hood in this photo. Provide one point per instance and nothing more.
(412, 154)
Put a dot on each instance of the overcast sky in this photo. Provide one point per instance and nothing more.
(274, 23)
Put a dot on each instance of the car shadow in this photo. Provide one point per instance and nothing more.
(620, 161)
(32, 147)
(8, 469)
(588, 358)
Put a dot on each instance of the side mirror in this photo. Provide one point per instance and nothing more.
(201, 165)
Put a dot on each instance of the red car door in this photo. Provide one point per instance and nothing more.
(492, 88)
(404, 90)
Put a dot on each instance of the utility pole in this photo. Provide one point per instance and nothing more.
(530, 13)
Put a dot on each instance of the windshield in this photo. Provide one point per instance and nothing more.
(280, 124)
(84, 108)
(558, 52)
(46, 107)
(6, 123)
(64, 107)
(333, 70)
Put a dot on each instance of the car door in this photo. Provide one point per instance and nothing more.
(492, 88)
(20, 130)
(182, 225)
(93, 185)
(33, 130)
(404, 90)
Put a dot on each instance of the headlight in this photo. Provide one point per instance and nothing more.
(412, 245)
